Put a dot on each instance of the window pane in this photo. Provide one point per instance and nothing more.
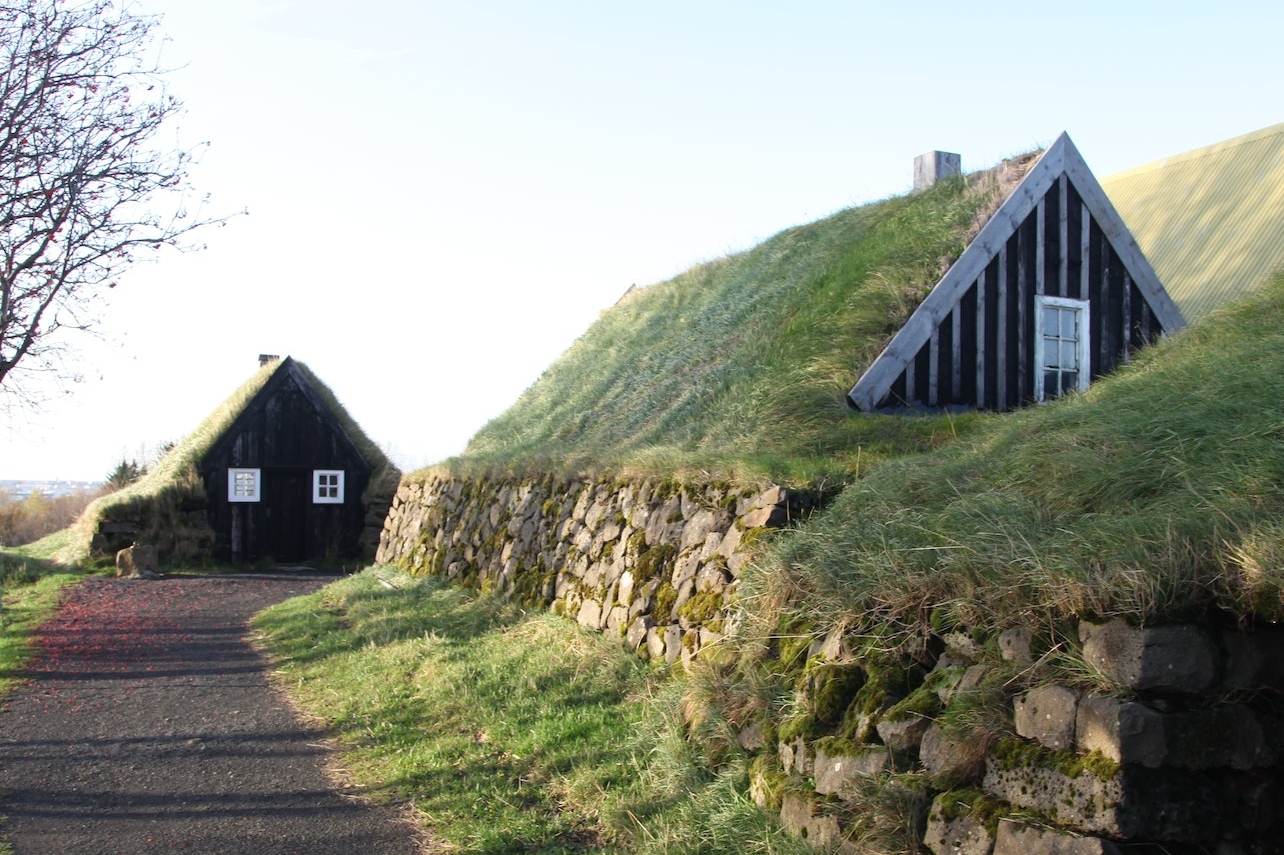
(1050, 322)
(1069, 380)
(1068, 331)
(1069, 354)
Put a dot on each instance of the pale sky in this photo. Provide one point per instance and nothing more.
(443, 195)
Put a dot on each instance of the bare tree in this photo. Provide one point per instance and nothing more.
(86, 185)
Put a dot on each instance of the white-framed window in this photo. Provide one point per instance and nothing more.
(327, 486)
(244, 485)
(1061, 347)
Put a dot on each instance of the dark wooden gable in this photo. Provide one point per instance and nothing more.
(286, 434)
(972, 343)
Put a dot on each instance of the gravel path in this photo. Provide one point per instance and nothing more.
(149, 725)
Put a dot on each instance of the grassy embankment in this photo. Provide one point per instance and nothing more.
(1157, 495)
(740, 366)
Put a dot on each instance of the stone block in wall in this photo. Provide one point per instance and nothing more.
(590, 614)
(1226, 736)
(1122, 731)
(655, 646)
(800, 816)
(771, 516)
(698, 527)
(952, 757)
(1161, 659)
(729, 545)
(950, 831)
(769, 498)
(1254, 660)
(1015, 838)
(665, 522)
(903, 734)
(736, 564)
(1015, 646)
(711, 579)
(1124, 802)
(796, 756)
(835, 769)
(672, 643)
(617, 619)
(1130, 732)
(1046, 714)
(684, 569)
(636, 635)
(644, 600)
(624, 591)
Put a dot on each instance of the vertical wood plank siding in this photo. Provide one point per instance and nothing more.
(1058, 250)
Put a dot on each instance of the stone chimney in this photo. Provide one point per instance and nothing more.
(268, 359)
(933, 166)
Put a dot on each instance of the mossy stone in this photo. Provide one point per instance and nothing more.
(832, 689)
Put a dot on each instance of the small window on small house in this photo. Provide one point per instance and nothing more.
(243, 485)
(1061, 347)
(327, 486)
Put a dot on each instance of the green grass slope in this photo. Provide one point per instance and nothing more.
(1158, 494)
(742, 365)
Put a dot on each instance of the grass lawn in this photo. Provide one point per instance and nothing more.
(509, 731)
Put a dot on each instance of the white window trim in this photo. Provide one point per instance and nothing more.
(1085, 346)
(255, 481)
(318, 497)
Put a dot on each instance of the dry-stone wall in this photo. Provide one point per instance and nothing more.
(653, 561)
(1169, 737)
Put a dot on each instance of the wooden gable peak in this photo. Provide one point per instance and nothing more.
(1058, 235)
(279, 373)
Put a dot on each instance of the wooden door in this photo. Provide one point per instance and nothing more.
(287, 496)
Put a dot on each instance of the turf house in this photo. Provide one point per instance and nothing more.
(1052, 293)
(280, 473)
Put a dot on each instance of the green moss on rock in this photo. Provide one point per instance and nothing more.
(704, 609)
(665, 597)
(654, 562)
(1011, 753)
(972, 803)
(832, 689)
(920, 703)
(803, 725)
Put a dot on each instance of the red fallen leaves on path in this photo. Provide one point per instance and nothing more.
(98, 627)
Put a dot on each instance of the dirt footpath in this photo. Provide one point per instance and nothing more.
(149, 726)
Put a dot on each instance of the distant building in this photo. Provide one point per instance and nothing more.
(279, 473)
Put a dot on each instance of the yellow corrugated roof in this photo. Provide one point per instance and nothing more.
(1210, 221)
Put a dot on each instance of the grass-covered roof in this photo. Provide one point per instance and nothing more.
(741, 365)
